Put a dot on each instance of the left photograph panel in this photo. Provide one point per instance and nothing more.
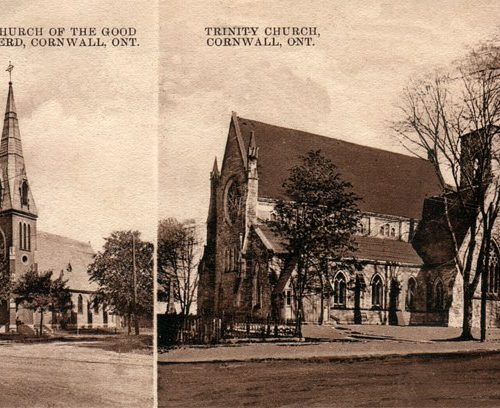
(78, 90)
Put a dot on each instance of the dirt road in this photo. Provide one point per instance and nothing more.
(394, 382)
(73, 375)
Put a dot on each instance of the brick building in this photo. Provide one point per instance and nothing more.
(406, 278)
(23, 247)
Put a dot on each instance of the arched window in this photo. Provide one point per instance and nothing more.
(493, 270)
(377, 291)
(235, 261)
(361, 228)
(339, 290)
(1, 192)
(410, 294)
(20, 235)
(80, 304)
(257, 287)
(29, 237)
(393, 232)
(231, 260)
(24, 193)
(25, 246)
(438, 295)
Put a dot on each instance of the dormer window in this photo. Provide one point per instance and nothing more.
(24, 193)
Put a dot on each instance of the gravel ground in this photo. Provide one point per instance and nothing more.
(454, 381)
(73, 375)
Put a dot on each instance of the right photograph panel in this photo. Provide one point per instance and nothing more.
(328, 201)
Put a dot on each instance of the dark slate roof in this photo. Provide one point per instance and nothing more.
(377, 249)
(56, 253)
(369, 248)
(388, 183)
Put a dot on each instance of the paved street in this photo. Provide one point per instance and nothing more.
(73, 375)
(393, 382)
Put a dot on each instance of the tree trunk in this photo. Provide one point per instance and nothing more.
(41, 323)
(129, 324)
(136, 324)
(467, 318)
(484, 289)
(322, 303)
(299, 316)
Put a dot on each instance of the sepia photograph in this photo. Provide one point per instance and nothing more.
(328, 200)
(78, 91)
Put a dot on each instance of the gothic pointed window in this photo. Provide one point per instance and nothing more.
(20, 235)
(411, 294)
(339, 290)
(24, 193)
(233, 201)
(377, 291)
(493, 271)
(439, 295)
(80, 304)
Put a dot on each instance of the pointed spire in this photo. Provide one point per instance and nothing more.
(253, 150)
(10, 109)
(215, 170)
(13, 175)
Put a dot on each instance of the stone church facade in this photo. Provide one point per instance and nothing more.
(24, 247)
(242, 271)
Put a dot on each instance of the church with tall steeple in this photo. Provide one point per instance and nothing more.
(23, 248)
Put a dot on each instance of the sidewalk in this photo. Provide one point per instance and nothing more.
(341, 343)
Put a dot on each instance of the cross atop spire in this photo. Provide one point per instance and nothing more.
(9, 70)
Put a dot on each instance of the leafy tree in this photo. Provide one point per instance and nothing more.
(178, 256)
(38, 292)
(113, 271)
(5, 281)
(452, 118)
(318, 222)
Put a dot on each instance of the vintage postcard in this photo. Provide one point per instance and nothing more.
(79, 91)
(328, 203)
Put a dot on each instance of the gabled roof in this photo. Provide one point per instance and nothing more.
(72, 257)
(388, 183)
(369, 248)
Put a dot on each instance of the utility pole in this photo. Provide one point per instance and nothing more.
(136, 320)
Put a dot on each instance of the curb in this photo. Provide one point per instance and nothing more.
(346, 359)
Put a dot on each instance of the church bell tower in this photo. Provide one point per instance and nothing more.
(18, 213)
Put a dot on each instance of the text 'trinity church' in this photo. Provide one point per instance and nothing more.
(23, 247)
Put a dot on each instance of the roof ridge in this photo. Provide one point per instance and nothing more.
(88, 244)
(337, 139)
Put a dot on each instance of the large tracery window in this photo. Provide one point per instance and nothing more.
(493, 270)
(233, 201)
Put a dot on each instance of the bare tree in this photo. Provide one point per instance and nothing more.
(452, 119)
(179, 250)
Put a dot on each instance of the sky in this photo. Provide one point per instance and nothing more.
(346, 86)
(88, 119)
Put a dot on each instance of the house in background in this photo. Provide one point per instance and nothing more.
(23, 247)
(241, 272)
